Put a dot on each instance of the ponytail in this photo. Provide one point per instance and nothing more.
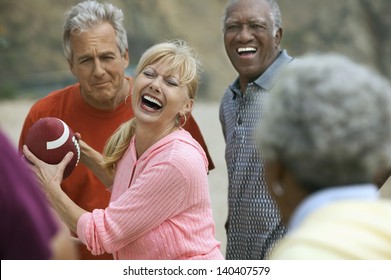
(118, 144)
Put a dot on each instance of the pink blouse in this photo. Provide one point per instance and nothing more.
(160, 206)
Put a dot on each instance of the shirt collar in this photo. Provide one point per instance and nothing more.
(324, 197)
(269, 77)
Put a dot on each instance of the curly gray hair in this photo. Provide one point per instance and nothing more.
(329, 122)
(85, 15)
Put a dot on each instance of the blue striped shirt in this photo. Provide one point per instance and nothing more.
(253, 217)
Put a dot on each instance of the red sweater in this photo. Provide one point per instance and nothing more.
(95, 127)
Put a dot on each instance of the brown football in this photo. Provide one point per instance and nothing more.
(50, 139)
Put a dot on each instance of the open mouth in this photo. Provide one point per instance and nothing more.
(151, 102)
(246, 51)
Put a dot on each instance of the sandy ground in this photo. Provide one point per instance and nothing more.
(12, 114)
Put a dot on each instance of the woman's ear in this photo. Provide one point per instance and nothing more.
(273, 173)
(188, 107)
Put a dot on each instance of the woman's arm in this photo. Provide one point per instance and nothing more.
(94, 161)
(50, 177)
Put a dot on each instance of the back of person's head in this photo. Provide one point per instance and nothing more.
(179, 58)
(275, 12)
(88, 14)
(328, 121)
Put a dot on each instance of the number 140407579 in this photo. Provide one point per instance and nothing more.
(243, 270)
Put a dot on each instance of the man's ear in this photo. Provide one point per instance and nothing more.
(71, 68)
(126, 58)
(278, 37)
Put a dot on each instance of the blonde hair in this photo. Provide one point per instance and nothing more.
(180, 58)
(117, 144)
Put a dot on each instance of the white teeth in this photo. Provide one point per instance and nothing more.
(153, 100)
(249, 49)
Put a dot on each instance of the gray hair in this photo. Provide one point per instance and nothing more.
(328, 121)
(85, 15)
(275, 13)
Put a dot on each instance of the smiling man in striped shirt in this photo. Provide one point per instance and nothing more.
(252, 37)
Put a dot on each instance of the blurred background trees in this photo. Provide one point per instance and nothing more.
(32, 62)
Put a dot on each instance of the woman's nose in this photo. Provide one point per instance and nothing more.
(155, 85)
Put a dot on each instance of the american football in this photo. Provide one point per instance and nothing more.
(50, 139)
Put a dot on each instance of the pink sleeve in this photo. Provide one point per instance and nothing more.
(158, 193)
